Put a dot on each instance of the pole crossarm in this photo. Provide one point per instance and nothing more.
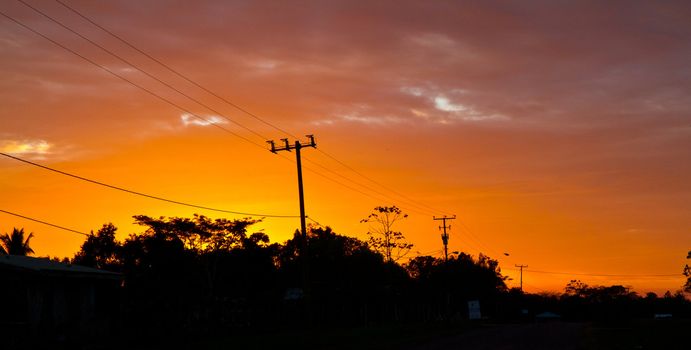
(297, 146)
(521, 267)
(445, 235)
(288, 147)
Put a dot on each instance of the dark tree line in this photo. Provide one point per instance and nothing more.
(198, 275)
(615, 303)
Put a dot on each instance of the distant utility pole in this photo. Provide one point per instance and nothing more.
(444, 235)
(297, 146)
(521, 267)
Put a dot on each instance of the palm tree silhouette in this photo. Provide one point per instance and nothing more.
(15, 244)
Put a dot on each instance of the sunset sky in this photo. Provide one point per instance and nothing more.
(558, 132)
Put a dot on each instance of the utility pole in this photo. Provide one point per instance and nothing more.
(521, 267)
(444, 235)
(297, 146)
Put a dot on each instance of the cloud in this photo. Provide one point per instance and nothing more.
(264, 64)
(191, 120)
(32, 148)
(371, 119)
(442, 109)
(414, 91)
(358, 118)
(444, 104)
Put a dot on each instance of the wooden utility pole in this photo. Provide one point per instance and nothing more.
(521, 267)
(444, 235)
(297, 146)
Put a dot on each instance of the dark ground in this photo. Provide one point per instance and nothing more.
(644, 334)
(630, 335)
(535, 336)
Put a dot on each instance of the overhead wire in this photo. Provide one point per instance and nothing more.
(477, 239)
(356, 189)
(433, 252)
(44, 222)
(176, 105)
(313, 220)
(596, 274)
(539, 290)
(424, 212)
(141, 69)
(432, 210)
(160, 98)
(127, 80)
(416, 203)
(122, 189)
(238, 107)
(172, 70)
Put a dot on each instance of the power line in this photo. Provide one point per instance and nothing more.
(540, 290)
(431, 210)
(606, 275)
(140, 69)
(200, 86)
(180, 107)
(129, 81)
(434, 252)
(598, 274)
(187, 79)
(43, 222)
(355, 189)
(424, 212)
(313, 220)
(142, 194)
(172, 70)
(352, 188)
(184, 77)
(477, 239)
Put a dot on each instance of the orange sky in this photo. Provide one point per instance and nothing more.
(560, 134)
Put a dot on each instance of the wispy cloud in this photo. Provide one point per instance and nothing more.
(444, 104)
(191, 120)
(33, 148)
(355, 117)
(371, 119)
(442, 109)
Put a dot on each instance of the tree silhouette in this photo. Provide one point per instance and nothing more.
(382, 237)
(203, 238)
(444, 287)
(687, 273)
(200, 233)
(334, 259)
(100, 249)
(576, 288)
(422, 268)
(15, 244)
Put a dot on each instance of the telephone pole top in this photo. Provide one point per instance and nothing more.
(444, 235)
(521, 267)
(297, 146)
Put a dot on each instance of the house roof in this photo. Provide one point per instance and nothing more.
(50, 266)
